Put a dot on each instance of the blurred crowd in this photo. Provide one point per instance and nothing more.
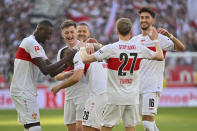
(15, 23)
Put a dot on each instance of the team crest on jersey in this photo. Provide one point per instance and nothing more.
(34, 116)
(37, 48)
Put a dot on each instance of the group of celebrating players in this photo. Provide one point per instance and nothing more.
(103, 84)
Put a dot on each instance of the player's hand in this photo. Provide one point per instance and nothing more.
(55, 90)
(153, 34)
(163, 32)
(81, 44)
(89, 48)
(91, 40)
(68, 56)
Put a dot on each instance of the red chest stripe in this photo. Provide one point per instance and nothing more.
(86, 68)
(154, 49)
(69, 69)
(72, 68)
(23, 55)
(114, 64)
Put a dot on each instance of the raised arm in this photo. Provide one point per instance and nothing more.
(85, 57)
(153, 35)
(178, 45)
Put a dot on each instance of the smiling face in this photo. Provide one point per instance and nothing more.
(82, 32)
(146, 20)
(70, 35)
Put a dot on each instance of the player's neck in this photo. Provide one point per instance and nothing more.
(37, 38)
(124, 38)
(71, 45)
(145, 32)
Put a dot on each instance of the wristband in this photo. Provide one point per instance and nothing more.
(171, 36)
(156, 41)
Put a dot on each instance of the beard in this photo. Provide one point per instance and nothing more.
(145, 28)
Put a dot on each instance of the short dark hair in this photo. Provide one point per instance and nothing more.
(68, 23)
(124, 26)
(83, 24)
(147, 9)
(45, 23)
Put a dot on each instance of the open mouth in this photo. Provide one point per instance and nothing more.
(144, 24)
(69, 39)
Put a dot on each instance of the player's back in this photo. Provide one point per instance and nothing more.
(25, 71)
(151, 71)
(123, 59)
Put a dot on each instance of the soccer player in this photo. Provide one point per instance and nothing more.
(123, 59)
(30, 60)
(83, 34)
(151, 72)
(77, 93)
(96, 75)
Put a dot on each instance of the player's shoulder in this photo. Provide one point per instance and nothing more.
(161, 36)
(136, 37)
(62, 49)
(164, 39)
(29, 42)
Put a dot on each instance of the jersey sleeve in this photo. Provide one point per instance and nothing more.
(78, 64)
(146, 53)
(104, 52)
(166, 43)
(34, 49)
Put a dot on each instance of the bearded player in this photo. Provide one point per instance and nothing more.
(151, 72)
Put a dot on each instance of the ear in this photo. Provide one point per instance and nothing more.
(131, 33)
(153, 22)
(62, 34)
(117, 32)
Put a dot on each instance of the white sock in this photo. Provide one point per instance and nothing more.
(26, 129)
(155, 127)
(35, 128)
(148, 126)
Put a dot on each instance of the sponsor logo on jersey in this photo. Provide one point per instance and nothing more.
(37, 48)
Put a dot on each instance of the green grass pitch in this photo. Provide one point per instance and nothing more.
(168, 119)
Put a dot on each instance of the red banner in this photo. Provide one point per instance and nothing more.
(179, 76)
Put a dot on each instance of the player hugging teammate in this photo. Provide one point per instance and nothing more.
(101, 86)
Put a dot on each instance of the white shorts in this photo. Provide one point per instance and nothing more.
(149, 103)
(27, 109)
(93, 111)
(73, 109)
(113, 113)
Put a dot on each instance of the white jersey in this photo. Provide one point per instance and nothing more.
(123, 59)
(25, 71)
(151, 71)
(97, 77)
(79, 89)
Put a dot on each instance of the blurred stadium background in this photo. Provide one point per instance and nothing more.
(19, 17)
